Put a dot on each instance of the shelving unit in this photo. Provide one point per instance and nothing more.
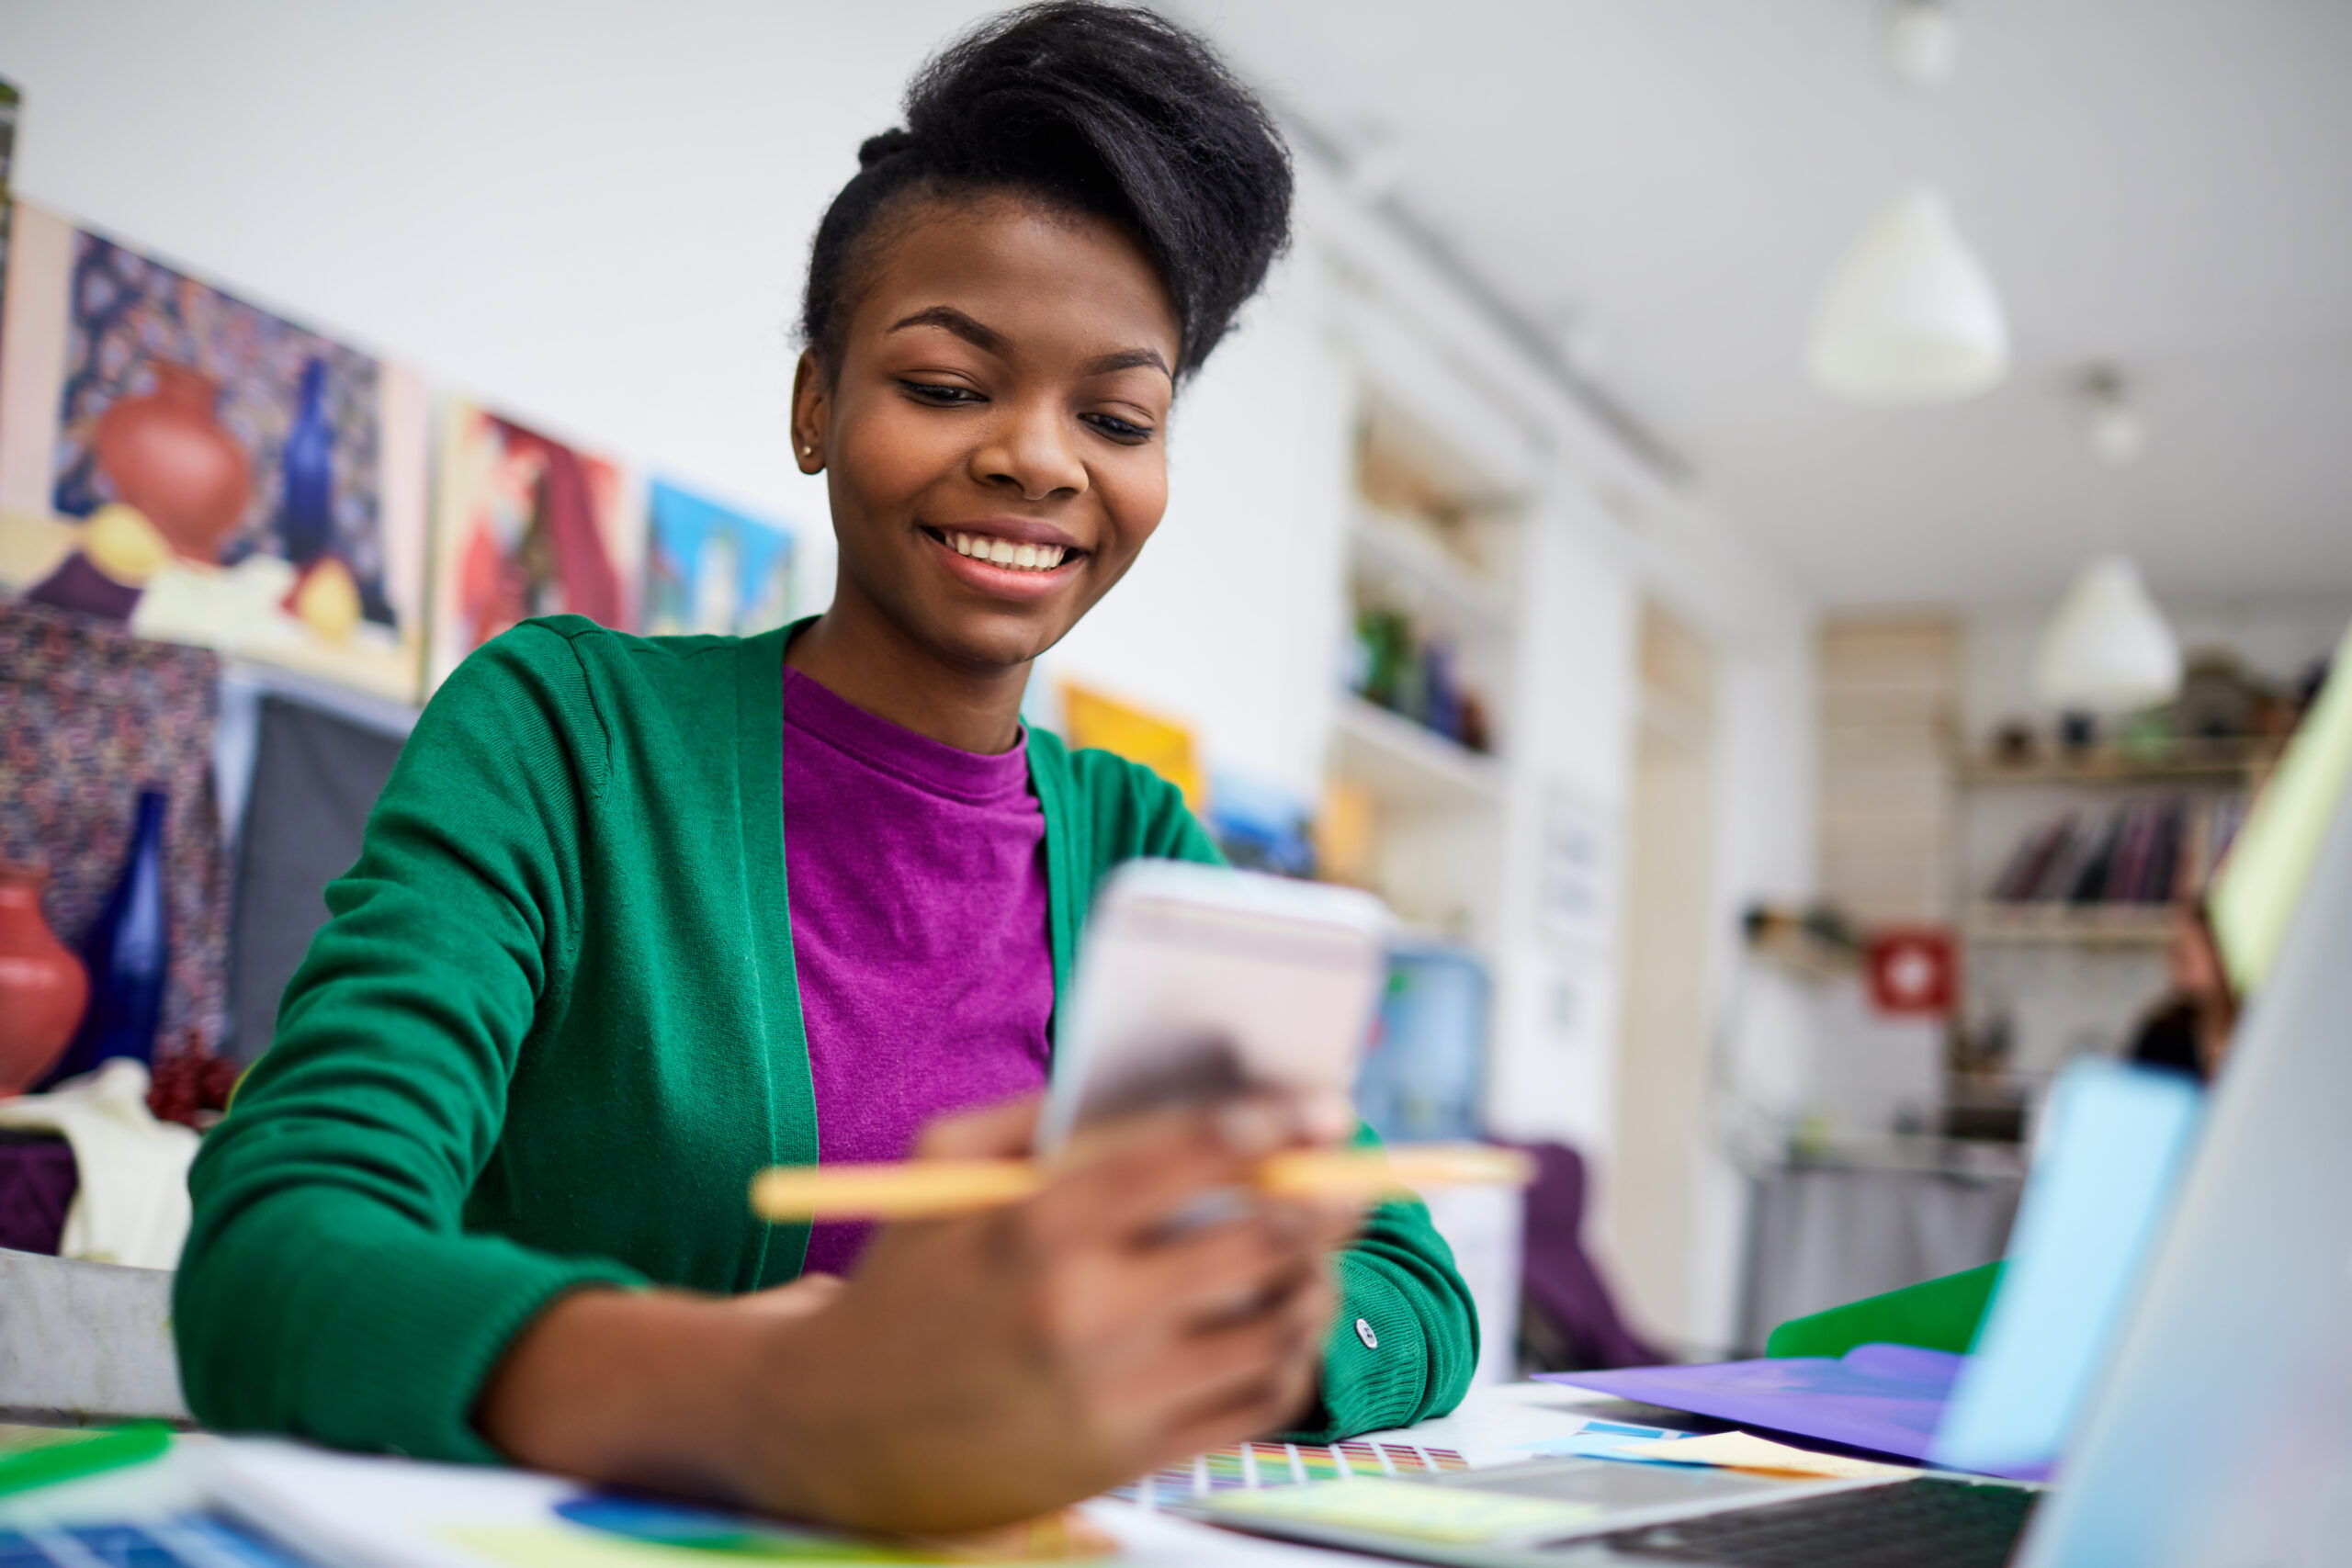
(2076, 925)
(1430, 538)
(1394, 557)
(1404, 764)
(2214, 763)
(2069, 977)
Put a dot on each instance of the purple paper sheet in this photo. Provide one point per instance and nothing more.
(1887, 1398)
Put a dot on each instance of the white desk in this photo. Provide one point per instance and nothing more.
(1495, 1426)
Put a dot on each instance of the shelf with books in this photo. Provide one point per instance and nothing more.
(2224, 764)
(2138, 853)
(2085, 925)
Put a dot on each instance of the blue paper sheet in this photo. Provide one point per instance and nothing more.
(2115, 1143)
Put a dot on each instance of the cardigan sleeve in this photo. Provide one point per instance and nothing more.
(328, 1290)
(1405, 1340)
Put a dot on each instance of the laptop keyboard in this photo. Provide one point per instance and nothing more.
(1915, 1524)
(188, 1541)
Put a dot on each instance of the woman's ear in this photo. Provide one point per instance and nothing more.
(812, 398)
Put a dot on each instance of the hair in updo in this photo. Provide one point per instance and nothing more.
(1105, 109)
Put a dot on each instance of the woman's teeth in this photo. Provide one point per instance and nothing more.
(1005, 553)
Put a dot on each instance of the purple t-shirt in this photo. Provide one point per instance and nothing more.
(916, 876)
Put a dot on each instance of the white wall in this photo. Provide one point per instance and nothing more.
(596, 217)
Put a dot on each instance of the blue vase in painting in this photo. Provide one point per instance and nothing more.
(127, 951)
(306, 514)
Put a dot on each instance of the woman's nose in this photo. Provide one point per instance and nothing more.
(1032, 448)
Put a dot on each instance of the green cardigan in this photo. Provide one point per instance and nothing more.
(551, 1030)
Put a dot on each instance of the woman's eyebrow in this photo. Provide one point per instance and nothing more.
(989, 341)
(984, 338)
(1127, 359)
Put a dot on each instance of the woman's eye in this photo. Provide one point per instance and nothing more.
(940, 393)
(1118, 429)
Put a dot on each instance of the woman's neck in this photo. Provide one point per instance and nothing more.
(855, 653)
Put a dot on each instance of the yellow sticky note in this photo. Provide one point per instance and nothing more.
(1745, 1451)
(563, 1546)
(2255, 894)
(1457, 1515)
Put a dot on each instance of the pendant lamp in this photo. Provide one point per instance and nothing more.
(2108, 648)
(1910, 315)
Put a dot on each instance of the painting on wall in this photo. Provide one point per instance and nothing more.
(525, 525)
(709, 568)
(180, 461)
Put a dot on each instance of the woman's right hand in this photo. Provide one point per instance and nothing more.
(973, 1370)
(993, 1366)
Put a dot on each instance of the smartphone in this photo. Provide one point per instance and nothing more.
(1198, 981)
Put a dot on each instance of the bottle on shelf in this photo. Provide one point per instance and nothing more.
(128, 953)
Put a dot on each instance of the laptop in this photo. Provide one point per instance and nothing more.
(2218, 1431)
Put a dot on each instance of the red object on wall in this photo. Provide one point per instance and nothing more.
(169, 456)
(43, 988)
(1914, 971)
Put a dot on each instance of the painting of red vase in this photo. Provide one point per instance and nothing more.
(204, 470)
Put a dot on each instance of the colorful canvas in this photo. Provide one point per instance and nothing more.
(90, 716)
(709, 568)
(181, 461)
(1098, 720)
(524, 525)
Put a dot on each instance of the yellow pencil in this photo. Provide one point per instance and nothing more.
(919, 1189)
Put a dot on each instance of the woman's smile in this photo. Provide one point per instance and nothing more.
(1008, 558)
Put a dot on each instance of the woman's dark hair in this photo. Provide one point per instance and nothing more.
(1105, 109)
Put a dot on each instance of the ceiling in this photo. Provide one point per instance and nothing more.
(2163, 184)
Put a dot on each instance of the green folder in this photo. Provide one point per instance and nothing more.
(1939, 1315)
(39, 1459)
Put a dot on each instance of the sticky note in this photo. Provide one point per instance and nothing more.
(1745, 1451)
(1453, 1515)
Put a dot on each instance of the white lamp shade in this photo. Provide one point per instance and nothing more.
(1910, 315)
(2108, 648)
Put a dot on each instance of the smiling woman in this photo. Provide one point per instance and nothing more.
(1005, 379)
(484, 1196)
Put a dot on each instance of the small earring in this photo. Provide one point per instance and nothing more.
(807, 451)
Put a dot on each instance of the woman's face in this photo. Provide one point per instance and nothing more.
(995, 437)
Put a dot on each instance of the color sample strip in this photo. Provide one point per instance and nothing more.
(1277, 1464)
(1224, 1469)
(1322, 1464)
(1250, 1466)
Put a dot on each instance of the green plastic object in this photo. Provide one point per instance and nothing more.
(69, 1455)
(1939, 1315)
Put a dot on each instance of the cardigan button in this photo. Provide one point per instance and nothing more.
(1364, 1333)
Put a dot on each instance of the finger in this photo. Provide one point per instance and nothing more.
(1325, 1223)
(1228, 1270)
(1325, 1116)
(1204, 1368)
(993, 1132)
(1277, 1403)
(1233, 1270)
(1239, 1382)
(1124, 1181)
(808, 1293)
